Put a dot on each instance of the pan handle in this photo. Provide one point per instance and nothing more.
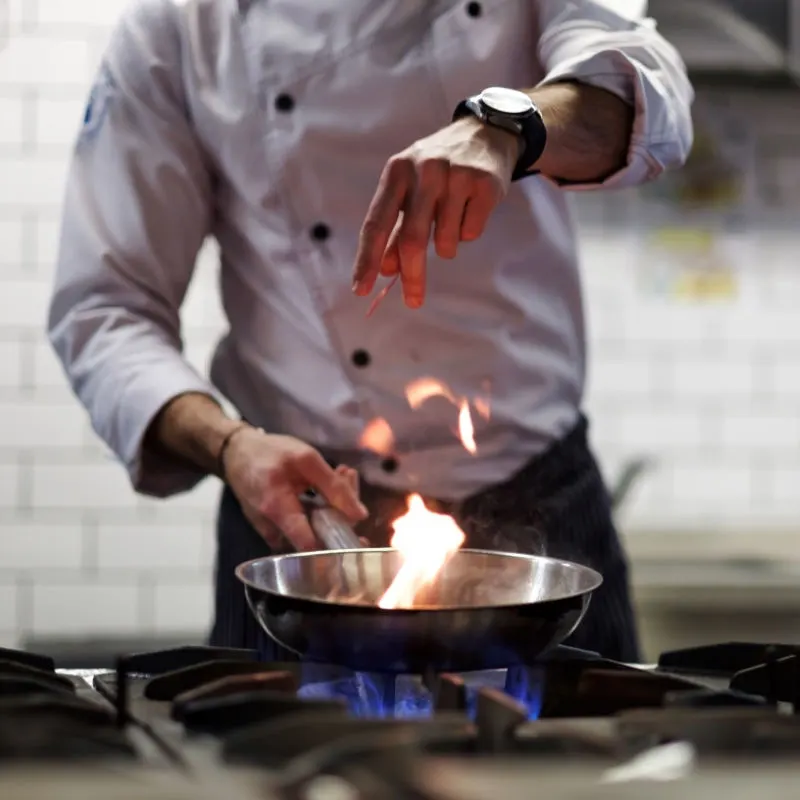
(333, 530)
(330, 525)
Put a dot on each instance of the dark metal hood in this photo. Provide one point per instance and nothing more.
(734, 41)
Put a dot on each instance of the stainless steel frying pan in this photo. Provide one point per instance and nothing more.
(486, 610)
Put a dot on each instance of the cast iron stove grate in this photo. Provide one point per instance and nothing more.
(271, 714)
(47, 716)
(218, 708)
(213, 689)
(769, 671)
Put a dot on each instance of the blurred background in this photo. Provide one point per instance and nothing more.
(693, 289)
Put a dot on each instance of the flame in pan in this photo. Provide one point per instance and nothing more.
(427, 541)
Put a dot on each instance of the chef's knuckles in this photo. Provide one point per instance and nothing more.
(268, 472)
(450, 181)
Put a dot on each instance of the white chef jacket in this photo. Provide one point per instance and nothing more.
(266, 124)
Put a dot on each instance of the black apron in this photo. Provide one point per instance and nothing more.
(557, 505)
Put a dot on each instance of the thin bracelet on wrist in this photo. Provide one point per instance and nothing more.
(226, 443)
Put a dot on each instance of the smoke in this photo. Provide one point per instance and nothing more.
(495, 522)
(503, 537)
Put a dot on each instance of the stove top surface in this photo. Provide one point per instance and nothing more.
(197, 720)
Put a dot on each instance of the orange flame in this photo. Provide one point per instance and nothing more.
(378, 437)
(426, 541)
(422, 389)
(466, 430)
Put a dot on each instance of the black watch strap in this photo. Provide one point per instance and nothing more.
(531, 129)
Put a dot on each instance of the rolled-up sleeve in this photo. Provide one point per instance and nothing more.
(136, 213)
(614, 46)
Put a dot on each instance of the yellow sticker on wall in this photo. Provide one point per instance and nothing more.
(690, 264)
(713, 286)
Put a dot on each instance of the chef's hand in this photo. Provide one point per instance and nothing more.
(453, 180)
(267, 473)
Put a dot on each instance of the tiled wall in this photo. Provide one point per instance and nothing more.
(710, 392)
(79, 552)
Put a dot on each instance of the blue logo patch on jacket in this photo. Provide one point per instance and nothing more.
(99, 101)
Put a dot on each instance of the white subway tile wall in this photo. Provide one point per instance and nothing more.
(709, 393)
(59, 606)
(8, 612)
(179, 605)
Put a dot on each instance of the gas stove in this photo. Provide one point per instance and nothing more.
(197, 721)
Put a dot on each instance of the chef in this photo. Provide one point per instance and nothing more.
(330, 146)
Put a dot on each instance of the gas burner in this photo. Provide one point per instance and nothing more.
(271, 713)
(217, 690)
(227, 711)
(210, 692)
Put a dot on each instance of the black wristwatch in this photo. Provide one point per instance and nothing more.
(512, 111)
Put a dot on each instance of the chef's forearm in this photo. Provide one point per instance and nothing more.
(191, 428)
(588, 132)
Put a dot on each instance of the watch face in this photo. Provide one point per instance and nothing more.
(506, 101)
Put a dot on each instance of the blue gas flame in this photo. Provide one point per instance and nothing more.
(526, 685)
(406, 696)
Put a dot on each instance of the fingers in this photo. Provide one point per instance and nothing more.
(415, 230)
(351, 476)
(413, 195)
(284, 518)
(477, 210)
(268, 531)
(379, 223)
(391, 258)
(312, 470)
(287, 513)
(343, 471)
(450, 215)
